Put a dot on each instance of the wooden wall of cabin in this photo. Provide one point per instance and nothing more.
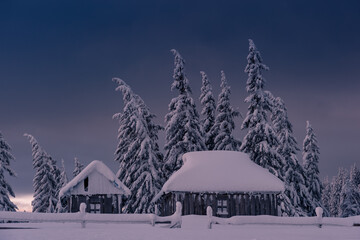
(105, 201)
(237, 203)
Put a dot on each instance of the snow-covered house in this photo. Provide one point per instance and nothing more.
(97, 186)
(227, 181)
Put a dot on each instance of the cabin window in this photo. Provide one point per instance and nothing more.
(86, 184)
(94, 207)
(222, 207)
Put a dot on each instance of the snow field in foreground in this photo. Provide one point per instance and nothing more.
(194, 227)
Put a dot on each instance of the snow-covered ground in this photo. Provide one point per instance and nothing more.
(194, 227)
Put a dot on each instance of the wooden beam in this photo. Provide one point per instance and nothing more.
(191, 203)
(247, 212)
(276, 205)
(173, 203)
(242, 204)
(258, 205)
(237, 204)
(70, 204)
(214, 203)
(267, 204)
(120, 203)
(208, 200)
(262, 204)
(252, 202)
(273, 207)
(233, 208)
(196, 203)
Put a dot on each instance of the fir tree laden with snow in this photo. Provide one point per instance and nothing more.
(5, 189)
(78, 167)
(45, 180)
(292, 172)
(349, 204)
(336, 187)
(56, 173)
(138, 152)
(310, 163)
(224, 121)
(61, 206)
(355, 184)
(326, 195)
(260, 142)
(355, 176)
(208, 110)
(183, 131)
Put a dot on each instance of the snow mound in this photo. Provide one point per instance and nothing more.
(101, 168)
(221, 171)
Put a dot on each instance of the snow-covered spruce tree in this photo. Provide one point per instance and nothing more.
(183, 131)
(45, 182)
(224, 121)
(326, 194)
(138, 151)
(355, 176)
(292, 172)
(285, 206)
(260, 142)
(287, 145)
(56, 172)
(208, 110)
(78, 167)
(5, 189)
(61, 206)
(349, 204)
(355, 182)
(336, 187)
(310, 163)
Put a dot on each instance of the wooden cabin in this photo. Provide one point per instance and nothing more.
(227, 181)
(96, 186)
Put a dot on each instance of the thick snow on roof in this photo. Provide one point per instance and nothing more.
(221, 171)
(95, 169)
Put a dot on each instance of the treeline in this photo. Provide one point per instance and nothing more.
(47, 182)
(144, 168)
(342, 195)
(269, 138)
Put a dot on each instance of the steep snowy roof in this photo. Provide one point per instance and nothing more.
(221, 171)
(96, 169)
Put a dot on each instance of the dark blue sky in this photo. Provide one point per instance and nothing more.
(57, 59)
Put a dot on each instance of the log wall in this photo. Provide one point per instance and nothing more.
(237, 203)
(105, 201)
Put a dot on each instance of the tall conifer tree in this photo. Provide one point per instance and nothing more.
(355, 176)
(292, 172)
(78, 167)
(138, 152)
(224, 125)
(208, 110)
(45, 182)
(61, 206)
(349, 204)
(326, 195)
(260, 142)
(310, 163)
(336, 187)
(5, 189)
(183, 130)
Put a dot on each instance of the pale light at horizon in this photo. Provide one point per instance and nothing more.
(23, 202)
